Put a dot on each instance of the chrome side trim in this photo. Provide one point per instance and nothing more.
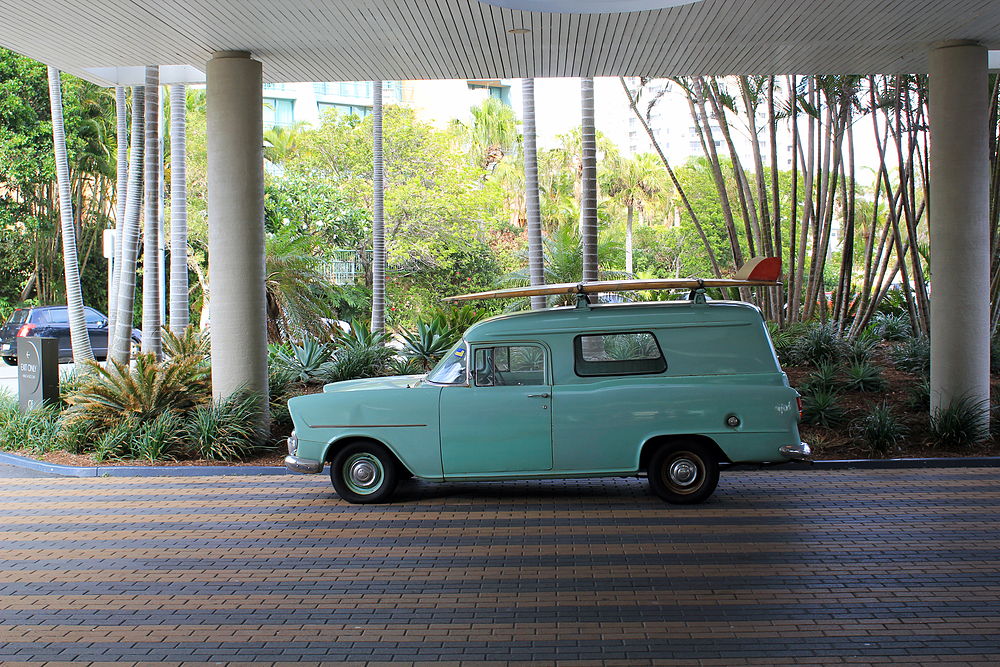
(796, 452)
(306, 466)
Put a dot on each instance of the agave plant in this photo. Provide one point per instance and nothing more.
(300, 363)
(109, 395)
(429, 342)
(360, 336)
(821, 408)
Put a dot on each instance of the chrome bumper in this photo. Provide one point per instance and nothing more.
(796, 452)
(307, 466)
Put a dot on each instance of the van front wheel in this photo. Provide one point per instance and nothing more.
(364, 472)
(683, 473)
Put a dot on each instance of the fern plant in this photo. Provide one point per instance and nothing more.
(192, 342)
(143, 393)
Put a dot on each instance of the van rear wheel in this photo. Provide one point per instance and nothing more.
(683, 473)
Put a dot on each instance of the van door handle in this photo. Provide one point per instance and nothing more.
(538, 395)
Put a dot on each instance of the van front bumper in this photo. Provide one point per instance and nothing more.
(307, 466)
(796, 452)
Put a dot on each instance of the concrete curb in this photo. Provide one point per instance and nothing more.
(199, 471)
(141, 471)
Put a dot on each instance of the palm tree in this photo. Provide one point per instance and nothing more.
(121, 348)
(79, 338)
(533, 213)
(151, 239)
(378, 213)
(180, 313)
(634, 184)
(493, 134)
(562, 263)
(588, 199)
(294, 286)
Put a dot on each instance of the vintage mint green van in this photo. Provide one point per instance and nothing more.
(675, 390)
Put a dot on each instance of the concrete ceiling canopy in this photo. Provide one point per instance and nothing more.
(587, 6)
(347, 40)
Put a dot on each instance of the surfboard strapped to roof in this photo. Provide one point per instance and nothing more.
(757, 272)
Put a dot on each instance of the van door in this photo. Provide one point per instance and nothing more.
(502, 421)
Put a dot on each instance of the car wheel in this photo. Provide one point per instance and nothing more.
(10, 361)
(364, 472)
(683, 473)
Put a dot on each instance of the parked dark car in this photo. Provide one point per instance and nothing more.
(53, 322)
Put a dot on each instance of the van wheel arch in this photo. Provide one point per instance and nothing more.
(651, 445)
(401, 470)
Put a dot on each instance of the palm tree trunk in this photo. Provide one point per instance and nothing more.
(536, 261)
(378, 213)
(121, 348)
(180, 312)
(121, 186)
(79, 337)
(151, 338)
(628, 238)
(588, 204)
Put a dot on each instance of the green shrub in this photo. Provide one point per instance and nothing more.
(860, 350)
(864, 377)
(158, 439)
(116, 442)
(913, 356)
(36, 430)
(351, 363)
(891, 327)
(821, 408)
(225, 430)
(962, 423)
(919, 396)
(882, 429)
(818, 344)
(404, 366)
(823, 379)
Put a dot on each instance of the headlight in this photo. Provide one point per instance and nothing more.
(293, 443)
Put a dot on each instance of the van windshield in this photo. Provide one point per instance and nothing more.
(451, 368)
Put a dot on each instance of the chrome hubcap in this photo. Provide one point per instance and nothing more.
(683, 472)
(363, 473)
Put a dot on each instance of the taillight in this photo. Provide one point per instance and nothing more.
(798, 400)
(26, 330)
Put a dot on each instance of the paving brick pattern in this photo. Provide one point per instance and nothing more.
(780, 567)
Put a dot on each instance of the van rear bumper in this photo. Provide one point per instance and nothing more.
(796, 452)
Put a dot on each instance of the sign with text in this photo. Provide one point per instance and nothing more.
(37, 371)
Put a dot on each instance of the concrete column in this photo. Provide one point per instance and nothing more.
(236, 224)
(960, 235)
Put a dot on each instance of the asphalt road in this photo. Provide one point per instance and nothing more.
(779, 567)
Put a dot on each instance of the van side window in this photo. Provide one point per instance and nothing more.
(512, 365)
(618, 354)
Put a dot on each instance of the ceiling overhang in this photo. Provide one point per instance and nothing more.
(109, 41)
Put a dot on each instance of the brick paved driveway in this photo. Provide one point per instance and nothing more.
(779, 567)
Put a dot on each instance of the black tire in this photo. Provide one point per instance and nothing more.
(364, 472)
(683, 473)
(10, 361)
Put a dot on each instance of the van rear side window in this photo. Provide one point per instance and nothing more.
(618, 354)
